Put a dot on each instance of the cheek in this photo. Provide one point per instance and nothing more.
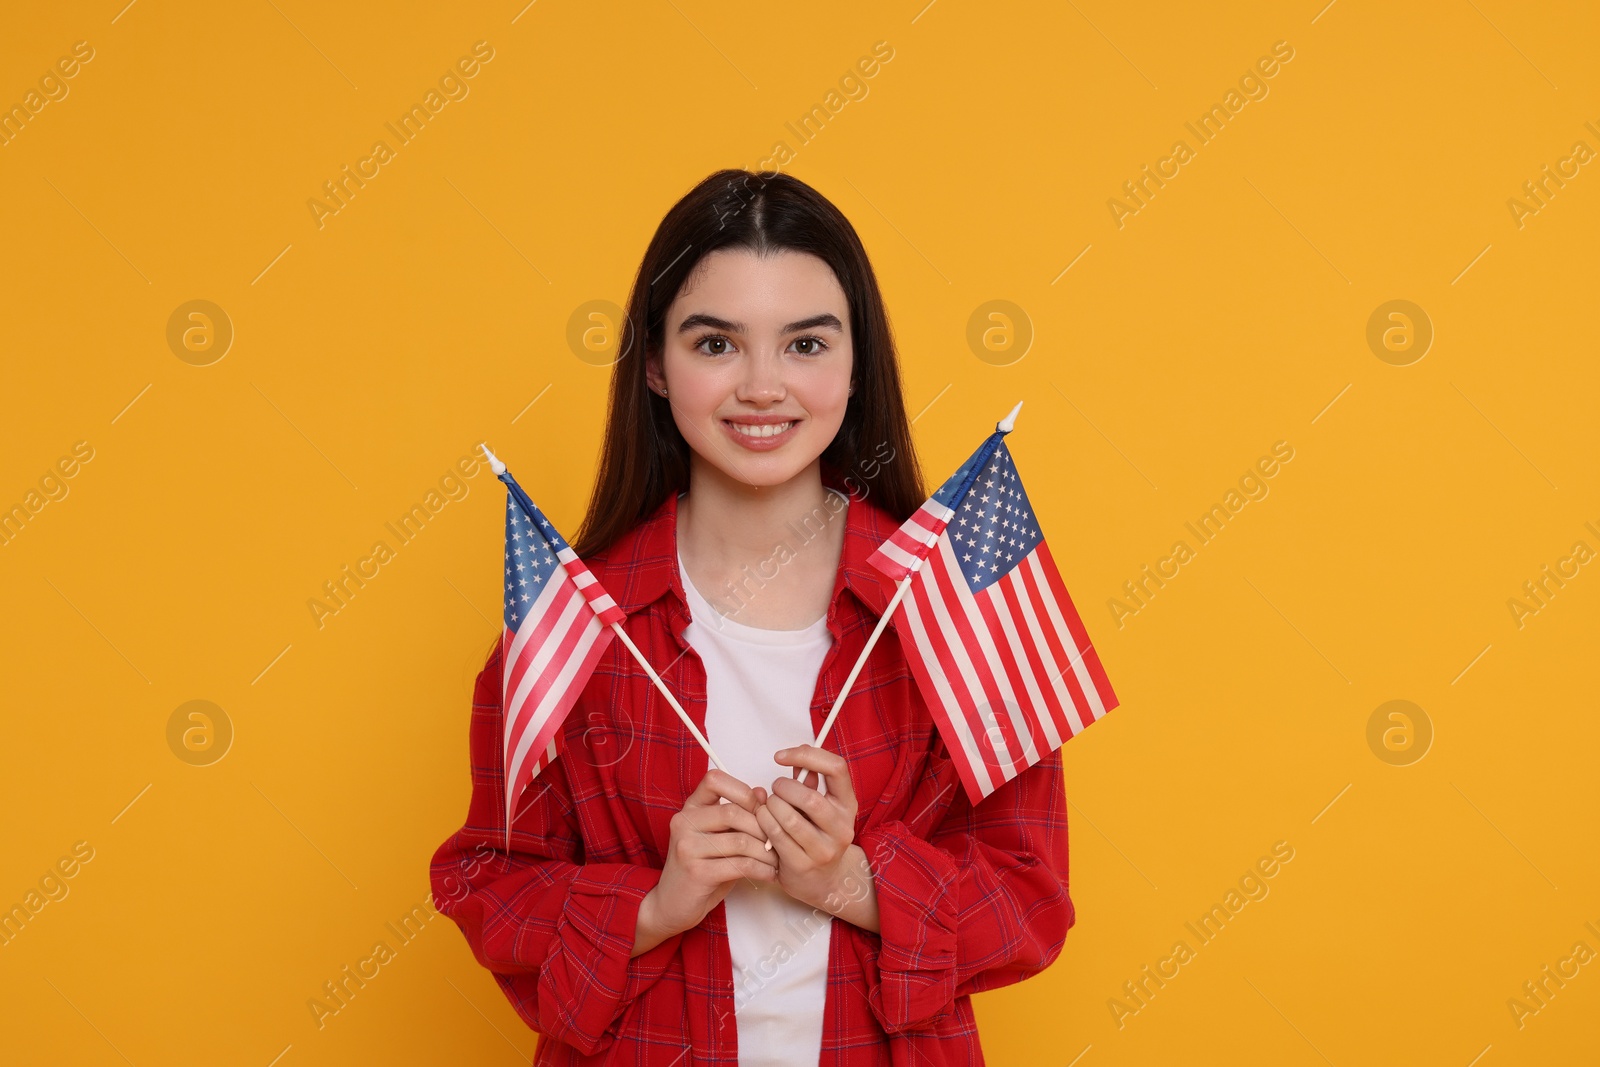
(696, 391)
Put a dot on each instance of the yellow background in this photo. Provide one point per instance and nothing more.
(1229, 313)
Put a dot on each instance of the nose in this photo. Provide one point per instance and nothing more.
(762, 382)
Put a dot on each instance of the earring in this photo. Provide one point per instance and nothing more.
(663, 390)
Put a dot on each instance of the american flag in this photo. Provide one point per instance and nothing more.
(557, 623)
(988, 629)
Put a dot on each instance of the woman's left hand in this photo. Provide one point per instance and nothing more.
(818, 862)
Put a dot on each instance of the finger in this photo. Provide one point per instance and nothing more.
(821, 761)
(743, 867)
(728, 844)
(793, 824)
(825, 813)
(716, 818)
(761, 803)
(784, 847)
(718, 786)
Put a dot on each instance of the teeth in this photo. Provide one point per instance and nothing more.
(762, 431)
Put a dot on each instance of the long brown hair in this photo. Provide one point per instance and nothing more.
(644, 456)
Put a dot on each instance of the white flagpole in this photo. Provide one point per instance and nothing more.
(900, 591)
(659, 684)
(499, 469)
(861, 661)
(1005, 425)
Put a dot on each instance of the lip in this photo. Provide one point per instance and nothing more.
(760, 444)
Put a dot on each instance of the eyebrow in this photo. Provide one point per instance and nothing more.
(701, 319)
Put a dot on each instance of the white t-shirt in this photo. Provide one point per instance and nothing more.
(759, 685)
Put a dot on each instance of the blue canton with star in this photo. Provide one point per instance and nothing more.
(994, 526)
(530, 559)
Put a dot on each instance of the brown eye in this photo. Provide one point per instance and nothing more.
(711, 339)
(819, 345)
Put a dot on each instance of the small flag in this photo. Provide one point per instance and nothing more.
(990, 634)
(558, 621)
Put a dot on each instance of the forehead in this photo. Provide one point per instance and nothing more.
(738, 283)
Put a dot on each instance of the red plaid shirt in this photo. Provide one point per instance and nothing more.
(968, 898)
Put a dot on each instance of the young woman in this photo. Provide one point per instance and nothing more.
(756, 452)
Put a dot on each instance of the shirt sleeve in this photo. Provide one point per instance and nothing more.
(978, 901)
(557, 933)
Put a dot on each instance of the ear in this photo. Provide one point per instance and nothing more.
(653, 376)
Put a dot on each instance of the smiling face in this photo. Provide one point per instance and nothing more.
(756, 360)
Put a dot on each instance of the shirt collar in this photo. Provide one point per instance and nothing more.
(642, 564)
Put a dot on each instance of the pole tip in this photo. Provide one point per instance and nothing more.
(1007, 424)
(494, 464)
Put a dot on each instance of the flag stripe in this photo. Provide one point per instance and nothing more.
(909, 543)
(993, 744)
(540, 664)
(590, 586)
(543, 618)
(1054, 695)
(1078, 675)
(1024, 710)
(929, 658)
(1061, 653)
(591, 641)
(1091, 658)
(993, 704)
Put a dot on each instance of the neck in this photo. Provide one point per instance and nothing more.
(728, 520)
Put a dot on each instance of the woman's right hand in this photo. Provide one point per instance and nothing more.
(715, 842)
